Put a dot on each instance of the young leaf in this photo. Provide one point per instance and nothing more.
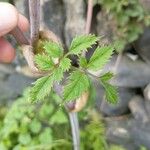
(100, 57)
(44, 62)
(53, 49)
(65, 64)
(110, 92)
(78, 83)
(107, 76)
(81, 43)
(41, 88)
(82, 62)
(58, 74)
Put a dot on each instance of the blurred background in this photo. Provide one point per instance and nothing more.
(125, 126)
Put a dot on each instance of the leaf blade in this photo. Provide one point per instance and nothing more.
(111, 92)
(107, 76)
(82, 62)
(65, 64)
(53, 49)
(100, 57)
(43, 62)
(42, 87)
(81, 43)
(79, 83)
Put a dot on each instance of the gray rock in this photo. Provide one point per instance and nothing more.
(122, 106)
(140, 134)
(130, 73)
(53, 14)
(98, 94)
(147, 92)
(105, 27)
(147, 107)
(118, 133)
(118, 129)
(75, 19)
(12, 86)
(22, 6)
(137, 108)
(7, 69)
(142, 45)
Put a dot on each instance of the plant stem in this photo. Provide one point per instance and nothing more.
(75, 130)
(34, 10)
(85, 71)
(119, 57)
(89, 16)
(19, 36)
(88, 20)
(73, 119)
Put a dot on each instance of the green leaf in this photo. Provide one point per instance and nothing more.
(35, 126)
(42, 87)
(81, 43)
(83, 62)
(59, 118)
(65, 64)
(116, 147)
(25, 139)
(53, 49)
(78, 83)
(110, 92)
(44, 62)
(58, 74)
(100, 57)
(46, 136)
(45, 110)
(107, 76)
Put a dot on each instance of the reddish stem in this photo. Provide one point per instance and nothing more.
(19, 36)
(89, 16)
(34, 10)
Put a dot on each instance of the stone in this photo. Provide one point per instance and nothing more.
(142, 45)
(105, 27)
(75, 19)
(22, 6)
(97, 94)
(140, 134)
(147, 107)
(118, 132)
(53, 16)
(125, 96)
(7, 68)
(129, 73)
(147, 92)
(13, 86)
(137, 108)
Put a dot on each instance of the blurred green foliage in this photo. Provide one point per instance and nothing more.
(38, 126)
(45, 126)
(130, 18)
